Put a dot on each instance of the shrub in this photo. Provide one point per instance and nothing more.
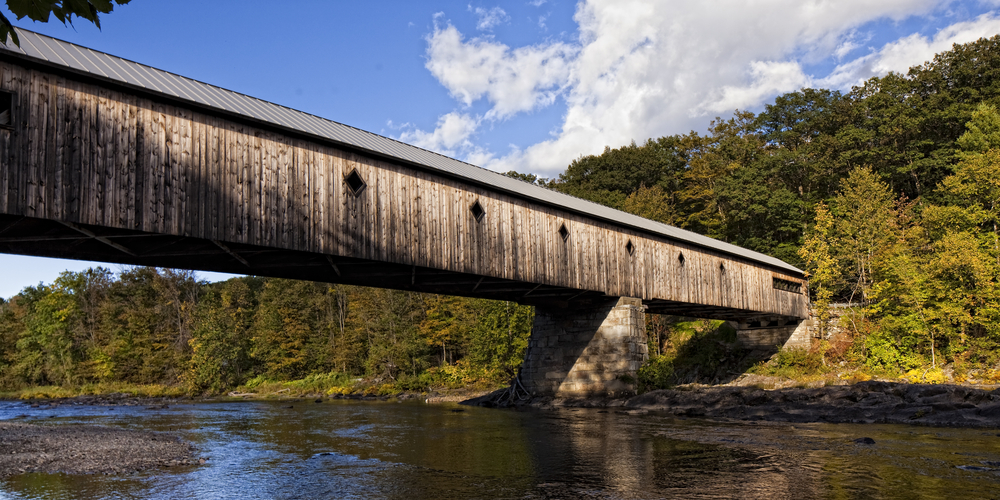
(792, 363)
(657, 373)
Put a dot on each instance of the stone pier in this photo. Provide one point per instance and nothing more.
(586, 351)
(774, 334)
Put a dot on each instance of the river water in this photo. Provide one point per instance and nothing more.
(412, 450)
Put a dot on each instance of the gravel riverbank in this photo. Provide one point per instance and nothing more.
(864, 402)
(86, 449)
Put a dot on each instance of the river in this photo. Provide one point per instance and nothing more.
(412, 450)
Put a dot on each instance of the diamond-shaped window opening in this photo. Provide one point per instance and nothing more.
(564, 232)
(629, 247)
(680, 259)
(478, 211)
(6, 109)
(355, 183)
(722, 268)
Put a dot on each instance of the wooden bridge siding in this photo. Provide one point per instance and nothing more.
(95, 155)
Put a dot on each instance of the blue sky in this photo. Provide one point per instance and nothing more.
(525, 85)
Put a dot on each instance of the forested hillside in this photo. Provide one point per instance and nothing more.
(889, 195)
(153, 326)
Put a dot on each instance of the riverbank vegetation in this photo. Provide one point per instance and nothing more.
(889, 195)
(159, 331)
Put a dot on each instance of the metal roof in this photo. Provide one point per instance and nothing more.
(60, 53)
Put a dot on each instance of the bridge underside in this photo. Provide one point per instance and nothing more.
(50, 238)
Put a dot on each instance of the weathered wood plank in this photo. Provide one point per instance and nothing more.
(100, 156)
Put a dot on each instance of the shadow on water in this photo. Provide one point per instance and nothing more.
(413, 451)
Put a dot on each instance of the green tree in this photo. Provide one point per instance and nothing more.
(12, 313)
(866, 228)
(148, 317)
(983, 131)
(653, 203)
(390, 321)
(63, 10)
(45, 349)
(499, 338)
(610, 177)
(222, 340)
(825, 274)
(446, 324)
(282, 328)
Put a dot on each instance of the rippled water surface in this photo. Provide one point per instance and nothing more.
(340, 449)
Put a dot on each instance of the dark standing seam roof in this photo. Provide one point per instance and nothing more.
(60, 53)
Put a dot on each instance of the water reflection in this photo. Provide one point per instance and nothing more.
(412, 451)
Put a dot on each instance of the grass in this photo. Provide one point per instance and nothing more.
(55, 391)
(447, 378)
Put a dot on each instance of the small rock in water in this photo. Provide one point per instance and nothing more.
(318, 401)
(864, 440)
(288, 407)
(457, 410)
(974, 468)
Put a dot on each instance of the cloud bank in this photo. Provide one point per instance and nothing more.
(643, 69)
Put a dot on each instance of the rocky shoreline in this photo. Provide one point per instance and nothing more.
(864, 402)
(87, 449)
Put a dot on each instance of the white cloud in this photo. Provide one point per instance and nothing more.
(767, 78)
(909, 51)
(644, 68)
(647, 69)
(539, 3)
(489, 18)
(513, 81)
(450, 136)
(851, 42)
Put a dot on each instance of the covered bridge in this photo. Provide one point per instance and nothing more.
(106, 159)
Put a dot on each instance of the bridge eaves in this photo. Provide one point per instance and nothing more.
(61, 54)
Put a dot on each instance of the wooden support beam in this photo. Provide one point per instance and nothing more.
(231, 253)
(11, 225)
(551, 294)
(40, 239)
(102, 239)
(532, 290)
(329, 258)
(34, 239)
